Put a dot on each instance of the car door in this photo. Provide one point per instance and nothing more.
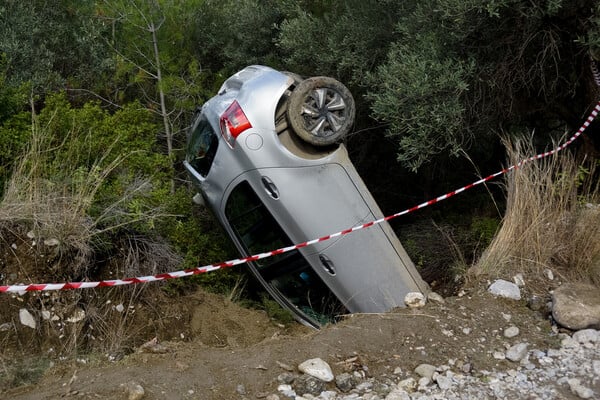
(368, 270)
(287, 277)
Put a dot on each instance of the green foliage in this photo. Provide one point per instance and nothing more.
(51, 44)
(418, 91)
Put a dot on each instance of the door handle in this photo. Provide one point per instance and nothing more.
(327, 264)
(270, 187)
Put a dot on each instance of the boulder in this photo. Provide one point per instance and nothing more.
(576, 306)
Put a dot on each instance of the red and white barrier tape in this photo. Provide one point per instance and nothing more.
(231, 263)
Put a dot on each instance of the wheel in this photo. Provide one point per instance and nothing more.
(321, 110)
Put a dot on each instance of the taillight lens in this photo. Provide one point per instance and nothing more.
(233, 122)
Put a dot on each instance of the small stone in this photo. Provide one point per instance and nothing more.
(307, 384)
(517, 352)
(596, 367)
(286, 390)
(14, 246)
(424, 382)
(272, 397)
(466, 331)
(345, 382)
(30, 234)
(433, 296)
(549, 274)
(505, 289)
(119, 307)
(241, 389)
(408, 384)
(587, 336)
(519, 280)
(133, 391)
(498, 355)
(27, 319)
(286, 377)
(317, 368)
(77, 316)
(46, 315)
(414, 300)
(51, 242)
(578, 389)
(7, 326)
(398, 394)
(569, 343)
(511, 332)
(425, 370)
(443, 382)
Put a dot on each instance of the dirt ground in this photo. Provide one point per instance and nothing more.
(219, 345)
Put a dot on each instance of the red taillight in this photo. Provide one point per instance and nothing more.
(233, 123)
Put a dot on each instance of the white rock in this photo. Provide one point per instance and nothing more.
(443, 382)
(120, 307)
(425, 370)
(77, 316)
(596, 367)
(569, 343)
(27, 319)
(519, 280)
(134, 391)
(517, 352)
(498, 355)
(549, 274)
(51, 242)
(317, 368)
(505, 289)
(31, 235)
(587, 336)
(407, 384)
(424, 382)
(13, 246)
(414, 299)
(286, 390)
(46, 315)
(578, 389)
(397, 394)
(511, 332)
(433, 296)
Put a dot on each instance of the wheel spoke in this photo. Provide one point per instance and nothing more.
(336, 103)
(309, 110)
(335, 122)
(320, 96)
(318, 128)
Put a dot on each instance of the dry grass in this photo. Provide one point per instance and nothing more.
(552, 218)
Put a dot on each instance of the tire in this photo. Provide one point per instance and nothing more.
(321, 111)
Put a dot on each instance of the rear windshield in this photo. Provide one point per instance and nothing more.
(202, 146)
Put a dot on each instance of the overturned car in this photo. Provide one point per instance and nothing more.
(266, 157)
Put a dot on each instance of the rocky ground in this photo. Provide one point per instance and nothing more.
(474, 345)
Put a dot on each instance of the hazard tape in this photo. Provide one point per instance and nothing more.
(226, 264)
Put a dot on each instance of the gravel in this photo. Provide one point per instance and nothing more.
(571, 371)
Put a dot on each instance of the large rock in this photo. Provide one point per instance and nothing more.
(577, 306)
(317, 368)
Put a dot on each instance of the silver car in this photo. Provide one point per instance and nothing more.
(266, 156)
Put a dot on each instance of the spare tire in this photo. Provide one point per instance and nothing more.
(321, 110)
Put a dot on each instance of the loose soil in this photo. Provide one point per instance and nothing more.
(91, 343)
(229, 345)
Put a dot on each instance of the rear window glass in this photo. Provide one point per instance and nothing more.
(202, 146)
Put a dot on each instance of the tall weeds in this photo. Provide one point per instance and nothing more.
(552, 217)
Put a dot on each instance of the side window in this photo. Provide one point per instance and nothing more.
(202, 146)
(253, 224)
(288, 273)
